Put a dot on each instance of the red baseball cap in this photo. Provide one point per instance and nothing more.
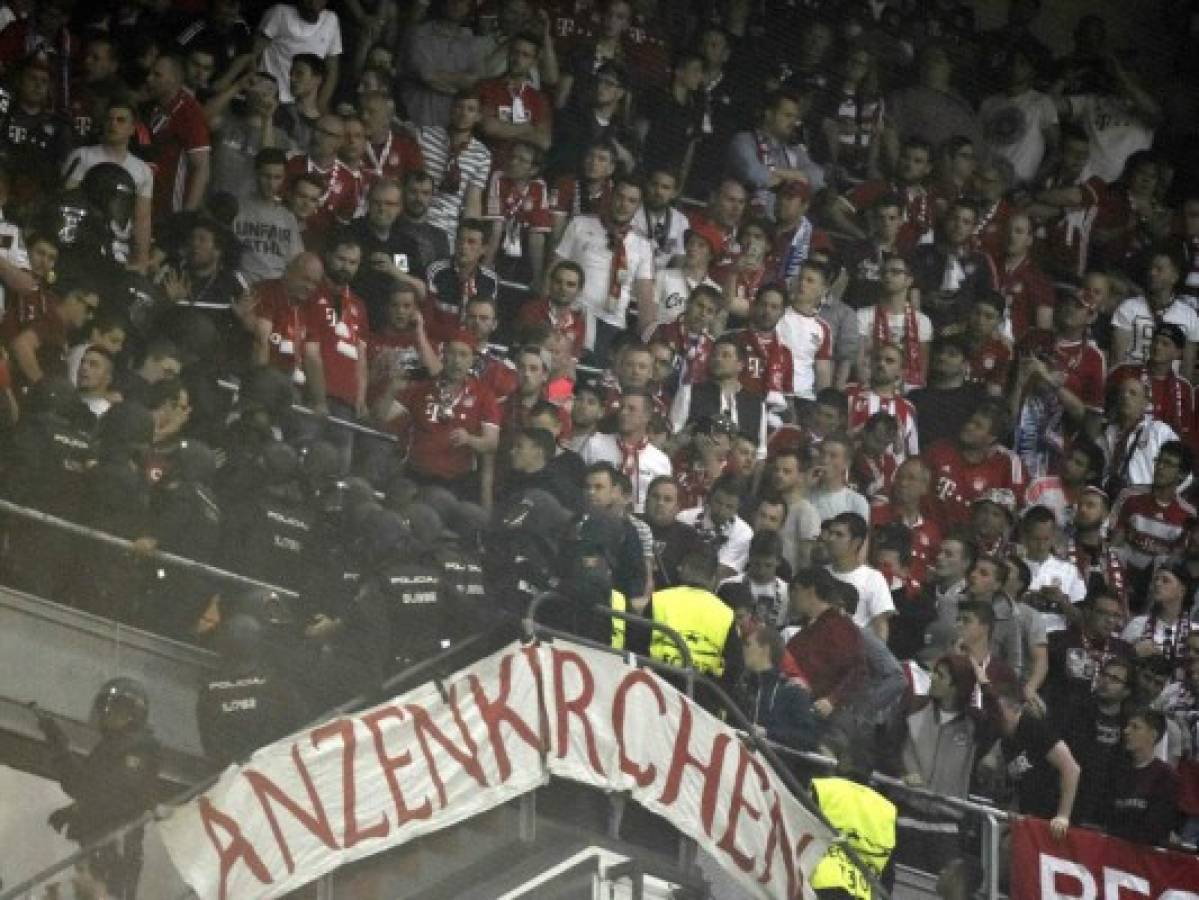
(708, 232)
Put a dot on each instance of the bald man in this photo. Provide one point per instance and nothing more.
(281, 323)
(180, 141)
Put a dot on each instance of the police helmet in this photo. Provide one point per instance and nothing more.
(121, 705)
(127, 426)
(269, 607)
(195, 462)
(279, 463)
(240, 636)
(109, 188)
(383, 534)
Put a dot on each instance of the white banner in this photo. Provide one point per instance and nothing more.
(365, 783)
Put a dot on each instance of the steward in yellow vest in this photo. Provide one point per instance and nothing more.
(863, 816)
(703, 619)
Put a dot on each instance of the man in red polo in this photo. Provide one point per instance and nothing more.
(180, 145)
(453, 423)
(335, 344)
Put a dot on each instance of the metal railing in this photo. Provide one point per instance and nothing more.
(162, 556)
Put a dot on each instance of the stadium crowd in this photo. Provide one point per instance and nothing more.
(849, 339)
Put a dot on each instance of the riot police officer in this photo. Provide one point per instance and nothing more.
(272, 529)
(247, 702)
(186, 520)
(113, 784)
(52, 454)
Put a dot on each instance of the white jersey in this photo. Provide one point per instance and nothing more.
(809, 339)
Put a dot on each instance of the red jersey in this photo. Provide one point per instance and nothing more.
(388, 353)
(393, 158)
(1152, 530)
(176, 130)
(872, 476)
(958, 483)
(926, 537)
(569, 198)
(524, 106)
(496, 374)
(340, 327)
(1026, 289)
(27, 307)
(343, 188)
(434, 413)
(1080, 361)
(990, 362)
(289, 326)
(1173, 397)
(568, 322)
(864, 403)
(517, 208)
(918, 209)
(990, 234)
(1065, 242)
(769, 367)
(692, 350)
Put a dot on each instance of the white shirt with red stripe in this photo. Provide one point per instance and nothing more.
(1152, 530)
(864, 403)
(809, 339)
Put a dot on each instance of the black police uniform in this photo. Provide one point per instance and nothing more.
(245, 705)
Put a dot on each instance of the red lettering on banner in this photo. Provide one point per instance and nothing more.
(351, 835)
(577, 706)
(497, 712)
(237, 849)
(778, 840)
(316, 821)
(737, 803)
(390, 764)
(643, 775)
(682, 759)
(468, 759)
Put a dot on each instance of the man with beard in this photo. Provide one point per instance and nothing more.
(1093, 729)
(335, 343)
(659, 221)
(1091, 551)
(618, 266)
(1081, 651)
(413, 223)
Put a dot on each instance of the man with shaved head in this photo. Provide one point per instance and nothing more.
(282, 317)
(180, 141)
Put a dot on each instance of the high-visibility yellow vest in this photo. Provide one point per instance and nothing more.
(867, 820)
(618, 625)
(703, 620)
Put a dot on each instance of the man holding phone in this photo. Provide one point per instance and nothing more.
(388, 255)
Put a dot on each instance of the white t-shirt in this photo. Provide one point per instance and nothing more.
(585, 241)
(734, 551)
(1115, 129)
(1014, 128)
(809, 338)
(651, 462)
(803, 524)
(1135, 315)
(671, 290)
(81, 160)
(1059, 573)
(829, 504)
(1141, 458)
(874, 598)
(290, 34)
(672, 225)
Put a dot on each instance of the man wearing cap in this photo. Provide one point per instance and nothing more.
(767, 157)
(1172, 395)
(618, 265)
(672, 287)
(454, 425)
(974, 463)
